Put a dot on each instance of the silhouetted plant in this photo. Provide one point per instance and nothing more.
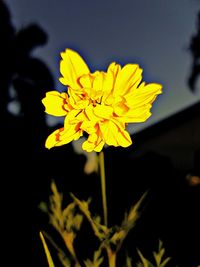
(195, 53)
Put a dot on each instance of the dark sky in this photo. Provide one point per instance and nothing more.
(153, 33)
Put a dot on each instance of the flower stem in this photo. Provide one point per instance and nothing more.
(103, 186)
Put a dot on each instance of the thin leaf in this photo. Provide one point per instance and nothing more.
(133, 214)
(158, 256)
(128, 262)
(47, 252)
(145, 262)
(99, 230)
(97, 259)
(64, 260)
(163, 264)
(128, 223)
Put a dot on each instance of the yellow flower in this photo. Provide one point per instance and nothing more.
(100, 104)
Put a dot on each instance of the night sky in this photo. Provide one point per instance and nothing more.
(155, 34)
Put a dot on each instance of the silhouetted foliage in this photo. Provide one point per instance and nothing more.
(195, 52)
(22, 134)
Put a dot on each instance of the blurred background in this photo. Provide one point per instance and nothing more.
(155, 34)
(163, 37)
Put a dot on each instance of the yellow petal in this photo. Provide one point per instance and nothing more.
(63, 136)
(71, 117)
(129, 76)
(123, 136)
(140, 114)
(103, 111)
(114, 135)
(72, 67)
(86, 80)
(109, 83)
(80, 117)
(114, 69)
(99, 146)
(121, 109)
(89, 111)
(139, 103)
(93, 144)
(109, 131)
(53, 138)
(72, 133)
(55, 103)
(88, 146)
(88, 127)
(98, 82)
(144, 94)
(80, 104)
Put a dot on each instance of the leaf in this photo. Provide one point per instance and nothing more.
(43, 207)
(100, 231)
(133, 214)
(56, 215)
(118, 236)
(61, 254)
(127, 224)
(64, 260)
(128, 262)
(72, 220)
(97, 255)
(97, 219)
(97, 260)
(165, 262)
(145, 262)
(68, 209)
(66, 221)
(158, 256)
(77, 221)
(47, 252)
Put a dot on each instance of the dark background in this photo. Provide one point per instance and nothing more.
(159, 161)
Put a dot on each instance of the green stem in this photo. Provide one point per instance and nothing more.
(103, 187)
(111, 257)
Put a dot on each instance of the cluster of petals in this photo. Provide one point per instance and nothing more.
(98, 104)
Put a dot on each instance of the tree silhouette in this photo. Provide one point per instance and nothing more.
(22, 135)
(194, 48)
